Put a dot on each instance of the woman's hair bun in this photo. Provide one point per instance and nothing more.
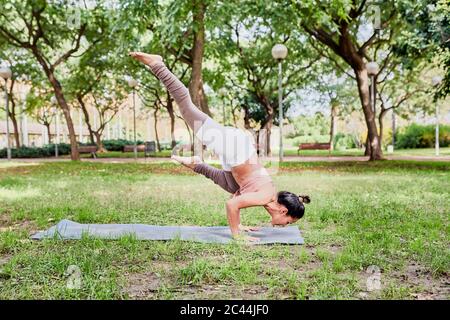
(304, 199)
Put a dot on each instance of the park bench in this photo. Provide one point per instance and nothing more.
(88, 149)
(313, 146)
(130, 148)
(149, 148)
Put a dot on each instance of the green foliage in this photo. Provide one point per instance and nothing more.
(36, 152)
(344, 141)
(419, 136)
(316, 125)
(118, 144)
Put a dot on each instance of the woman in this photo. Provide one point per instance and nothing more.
(242, 174)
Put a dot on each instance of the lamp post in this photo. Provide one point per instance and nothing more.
(6, 73)
(54, 102)
(372, 71)
(222, 94)
(133, 84)
(436, 81)
(279, 53)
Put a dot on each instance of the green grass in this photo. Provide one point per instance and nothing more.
(392, 214)
(422, 152)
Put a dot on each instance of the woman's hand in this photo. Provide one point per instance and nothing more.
(247, 229)
(244, 238)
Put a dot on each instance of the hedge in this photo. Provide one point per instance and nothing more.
(420, 136)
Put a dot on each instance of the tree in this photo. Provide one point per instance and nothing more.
(38, 105)
(428, 34)
(335, 26)
(245, 64)
(97, 80)
(338, 94)
(400, 87)
(42, 29)
(23, 69)
(183, 33)
(151, 91)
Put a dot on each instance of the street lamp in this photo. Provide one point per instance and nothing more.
(133, 84)
(436, 81)
(372, 71)
(6, 73)
(54, 102)
(222, 93)
(279, 53)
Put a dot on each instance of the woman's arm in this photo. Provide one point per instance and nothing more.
(243, 201)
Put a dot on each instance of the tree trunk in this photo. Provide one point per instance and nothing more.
(99, 143)
(380, 123)
(86, 119)
(49, 135)
(12, 114)
(172, 119)
(268, 128)
(16, 129)
(268, 123)
(367, 147)
(364, 95)
(196, 84)
(74, 154)
(246, 118)
(332, 125)
(158, 144)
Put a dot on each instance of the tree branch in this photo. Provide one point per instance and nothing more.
(356, 13)
(323, 37)
(65, 56)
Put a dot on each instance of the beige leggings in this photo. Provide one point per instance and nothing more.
(191, 114)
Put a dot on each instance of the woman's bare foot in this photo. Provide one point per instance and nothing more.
(189, 162)
(145, 58)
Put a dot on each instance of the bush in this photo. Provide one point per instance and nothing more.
(35, 152)
(167, 145)
(117, 145)
(64, 148)
(419, 136)
(310, 139)
(346, 141)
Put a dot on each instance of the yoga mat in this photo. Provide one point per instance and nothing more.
(69, 230)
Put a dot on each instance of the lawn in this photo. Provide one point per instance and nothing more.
(391, 214)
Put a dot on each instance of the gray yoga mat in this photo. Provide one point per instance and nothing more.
(69, 230)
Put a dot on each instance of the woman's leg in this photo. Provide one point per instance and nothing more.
(210, 132)
(222, 178)
(191, 114)
(228, 144)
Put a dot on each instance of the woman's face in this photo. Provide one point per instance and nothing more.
(283, 220)
(279, 214)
